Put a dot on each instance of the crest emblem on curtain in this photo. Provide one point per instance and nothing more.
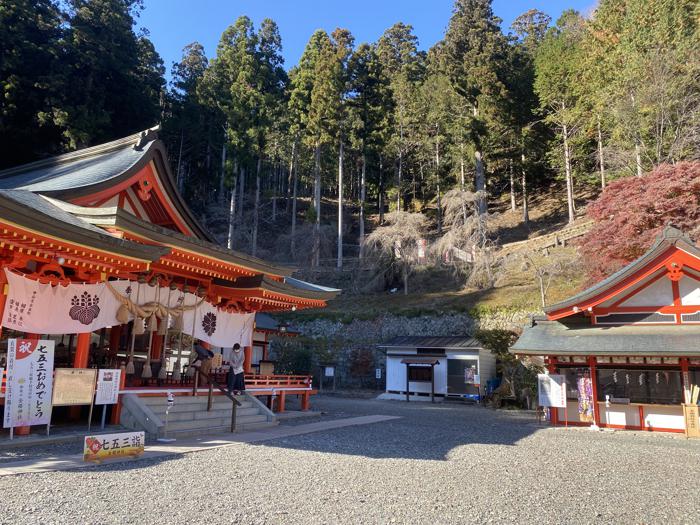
(209, 323)
(84, 308)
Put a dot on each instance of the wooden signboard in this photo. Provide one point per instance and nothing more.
(692, 425)
(74, 386)
(108, 446)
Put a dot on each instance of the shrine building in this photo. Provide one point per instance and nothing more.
(99, 252)
(629, 346)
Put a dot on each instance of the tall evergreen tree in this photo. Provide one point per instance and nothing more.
(31, 80)
(114, 76)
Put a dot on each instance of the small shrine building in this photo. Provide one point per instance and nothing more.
(99, 252)
(629, 346)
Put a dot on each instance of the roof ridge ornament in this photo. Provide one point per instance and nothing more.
(146, 136)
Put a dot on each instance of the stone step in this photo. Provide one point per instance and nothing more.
(190, 415)
(207, 424)
(158, 403)
(240, 427)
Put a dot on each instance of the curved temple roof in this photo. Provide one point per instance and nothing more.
(669, 238)
(91, 170)
(34, 196)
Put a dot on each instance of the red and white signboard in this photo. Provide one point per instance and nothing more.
(29, 382)
(107, 392)
(551, 390)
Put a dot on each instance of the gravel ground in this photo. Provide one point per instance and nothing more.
(438, 464)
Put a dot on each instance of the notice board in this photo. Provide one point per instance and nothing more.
(74, 386)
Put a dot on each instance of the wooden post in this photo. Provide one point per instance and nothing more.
(685, 379)
(407, 381)
(305, 397)
(117, 409)
(248, 359)
(82, 355)
(282, 396)
(594, 386)
(157, 343)
(553, 411)
(82, 351)
(432, 383)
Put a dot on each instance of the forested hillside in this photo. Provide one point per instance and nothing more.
(369, 149)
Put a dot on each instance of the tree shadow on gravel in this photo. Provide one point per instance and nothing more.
(424, 431)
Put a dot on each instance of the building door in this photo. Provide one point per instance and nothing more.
(460, 376)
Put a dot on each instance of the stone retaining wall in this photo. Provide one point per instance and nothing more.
(358, 356)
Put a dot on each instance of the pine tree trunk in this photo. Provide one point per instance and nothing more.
(601, 161)
(223, 172)
(637, 146)
(340, 205)
(437, 178)
(398, 186)
(638, 157)
(180, 178)
(480, 178)
(526, 212)
(567, 168)
(256, 208)
(276, 188)
(380, 200)
(231, 218)
(405, 281)
(241, 192)
(290, 177)
(295, 187)
(512, 184)
(362, 201)
(316, 250)
(462, 181)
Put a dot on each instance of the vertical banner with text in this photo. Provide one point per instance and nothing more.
(29, 382)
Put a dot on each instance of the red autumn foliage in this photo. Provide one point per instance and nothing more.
(632, 211)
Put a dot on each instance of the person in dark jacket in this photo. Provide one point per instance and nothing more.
(204, 357)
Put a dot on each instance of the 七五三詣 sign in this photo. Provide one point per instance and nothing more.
(29, 382)
(106, 446)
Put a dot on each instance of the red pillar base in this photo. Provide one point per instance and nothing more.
(305, 398)
(281, 399)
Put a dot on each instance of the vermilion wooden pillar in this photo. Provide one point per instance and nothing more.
(82, 355)
(248, 359)
(157, 344)
(82, 351)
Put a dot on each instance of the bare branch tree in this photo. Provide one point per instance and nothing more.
(394, 246)
(466, 245)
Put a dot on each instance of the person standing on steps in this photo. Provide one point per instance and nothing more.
(236, 378)
(204, 356)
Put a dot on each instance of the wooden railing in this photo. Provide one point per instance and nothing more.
(277, 380)
(560, 237)
(251, 381)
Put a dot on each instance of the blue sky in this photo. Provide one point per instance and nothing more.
(175, 23)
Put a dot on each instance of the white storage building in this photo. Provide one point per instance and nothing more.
(462, 370)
